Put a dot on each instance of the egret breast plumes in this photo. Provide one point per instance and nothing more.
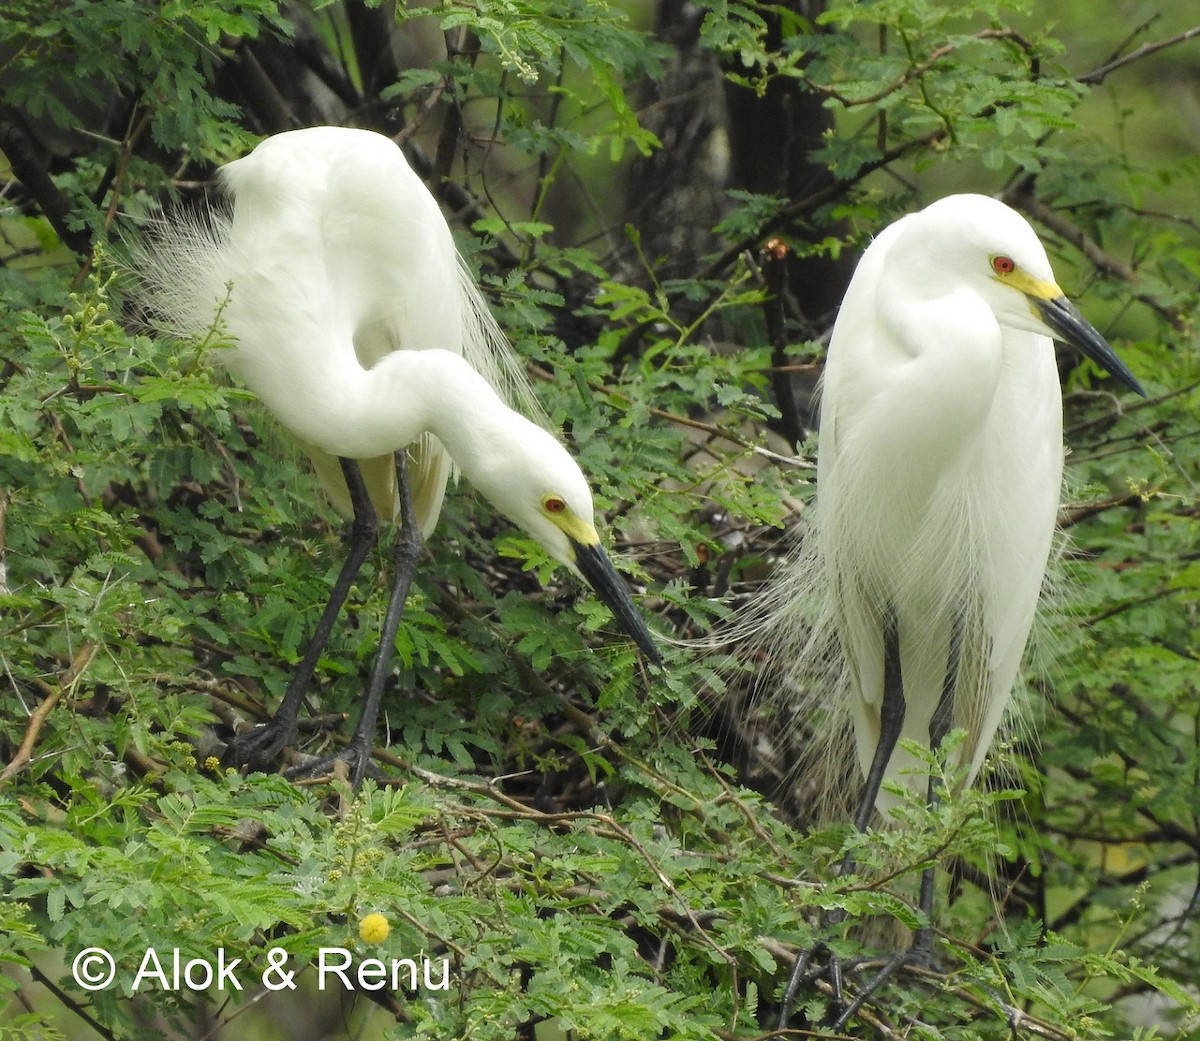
(908, 611)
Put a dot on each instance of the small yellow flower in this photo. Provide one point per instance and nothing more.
(374, 928)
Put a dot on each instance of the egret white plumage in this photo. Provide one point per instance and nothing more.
(939, 470)
(938, 477)
(353, 319)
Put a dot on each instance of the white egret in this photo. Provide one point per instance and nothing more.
(336, 278)
(938, 477)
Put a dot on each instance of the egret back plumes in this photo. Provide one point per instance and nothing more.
(334, 276)
(326, 254)
(938, 481)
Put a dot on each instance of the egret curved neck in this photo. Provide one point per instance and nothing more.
(410, 393)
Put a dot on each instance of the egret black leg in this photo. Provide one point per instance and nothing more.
(406, 553)
(891, 723)
(939, 726)
(920, 952)
(261, 747)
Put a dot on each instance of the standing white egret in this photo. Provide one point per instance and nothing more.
(938, 477)
(353, 319)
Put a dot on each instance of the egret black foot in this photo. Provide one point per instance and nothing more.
(918, 956)
(844, 1007)
(807, 970)
(260, 748)
(353, 759)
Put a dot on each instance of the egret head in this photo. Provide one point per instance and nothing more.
(534, 482)
(995, 250)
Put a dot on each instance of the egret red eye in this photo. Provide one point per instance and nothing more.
(554, 505)
(1003, 265)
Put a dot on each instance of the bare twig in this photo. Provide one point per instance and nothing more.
(1098, 76)
(69, 1002)
(1069, 518)
(40, 714)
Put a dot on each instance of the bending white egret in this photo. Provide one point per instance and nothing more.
(938, 477)
(353, 319)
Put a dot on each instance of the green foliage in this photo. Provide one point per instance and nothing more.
(557, 825)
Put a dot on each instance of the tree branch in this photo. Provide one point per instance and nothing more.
(18, 144)
(1098, 76)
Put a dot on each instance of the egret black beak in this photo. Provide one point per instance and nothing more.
(595, 566)
(1071, 327)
